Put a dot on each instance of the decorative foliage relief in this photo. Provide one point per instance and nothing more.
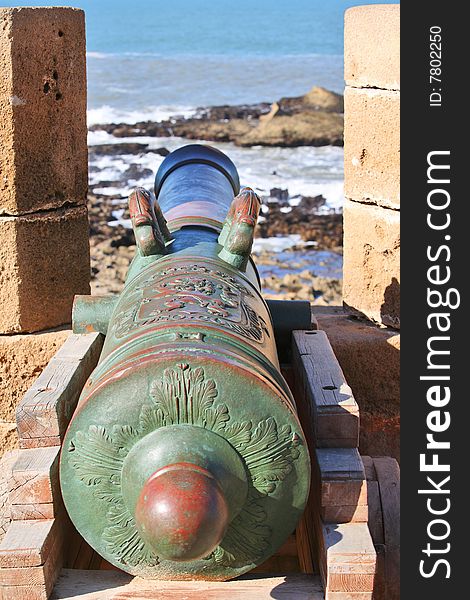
(184, 395)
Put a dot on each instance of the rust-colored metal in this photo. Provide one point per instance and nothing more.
(182, 512)
(185, 450)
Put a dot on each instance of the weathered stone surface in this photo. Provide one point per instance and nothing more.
(317, 99)
(372, 146)
(45, 261)
(371, 267)
(8, 437)
(370, 359)
(22, 358)
(43, 152)
(372, 46)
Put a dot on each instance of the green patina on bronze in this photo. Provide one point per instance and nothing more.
(185, 458)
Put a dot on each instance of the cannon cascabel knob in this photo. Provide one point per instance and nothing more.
(182, 512)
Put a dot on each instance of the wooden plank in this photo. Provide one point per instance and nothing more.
(28, 543)
(42, 442)
(329, 405)
(345, 514)
(348, 595)
(306, 542)
(388, 478)
(84, 556)
(109, 585)
(349, 559)
(72, 549)
(29, 512)
(45, 411)
(339, 475)
(380, 585)
(340, 464)
(36, 476)
(374, 519)
(285, 560)
(24, 592)
(369, 468)
(41, 575)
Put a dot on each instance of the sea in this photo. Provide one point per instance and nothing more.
(153, 59)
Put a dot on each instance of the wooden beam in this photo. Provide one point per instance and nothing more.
(329, 407)
(28, 543)
(108, 585)
(383, 483)
(339, 476)
(36, 477)
(44, 412)
(349, 560)
(31, 556)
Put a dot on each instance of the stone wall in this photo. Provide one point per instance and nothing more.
(364, 335)
(44, 254)
(372, 163)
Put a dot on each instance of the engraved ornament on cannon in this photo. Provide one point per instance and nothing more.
(185, 458)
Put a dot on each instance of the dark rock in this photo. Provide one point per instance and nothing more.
(117, 149)
(280, 194)
(311, 120)
(136, 171)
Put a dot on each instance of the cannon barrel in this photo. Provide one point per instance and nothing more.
(185, 458)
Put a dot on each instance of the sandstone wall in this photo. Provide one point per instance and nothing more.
(364, 334)
(372, 163)
(44, 252)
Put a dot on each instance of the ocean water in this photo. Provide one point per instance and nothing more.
(151, 59)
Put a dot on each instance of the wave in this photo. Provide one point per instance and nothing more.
(303, 171)
(244, 56)
(98, 55)
(110, 114)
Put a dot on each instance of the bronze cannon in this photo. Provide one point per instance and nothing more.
(185, 458)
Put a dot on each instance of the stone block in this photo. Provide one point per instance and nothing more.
(45, 261)
(43, 135)
(372, 146)
(22, 359)
(372, 46)
(371, 265)
(370, 359)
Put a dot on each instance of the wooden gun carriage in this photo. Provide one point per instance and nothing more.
(332, 553)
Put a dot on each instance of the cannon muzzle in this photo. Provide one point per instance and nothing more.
(185, 458)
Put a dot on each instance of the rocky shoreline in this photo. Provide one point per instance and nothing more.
(312, 234)
(315, 119)
(113, 247)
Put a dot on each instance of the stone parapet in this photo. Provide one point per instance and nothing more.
(372, 146)
(45, 261)
(371, 265)
(371, 271)
(372, 46)
(43, 136)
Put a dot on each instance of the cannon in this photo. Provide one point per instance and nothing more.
(185, 458)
